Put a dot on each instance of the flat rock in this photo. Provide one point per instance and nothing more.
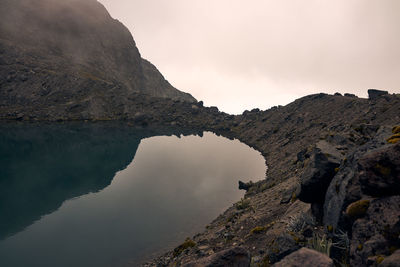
(305, 257)
(392, 261)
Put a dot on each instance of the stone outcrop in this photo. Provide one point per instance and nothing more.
(374, 93)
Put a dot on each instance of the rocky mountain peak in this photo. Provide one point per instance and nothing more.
(63, 47)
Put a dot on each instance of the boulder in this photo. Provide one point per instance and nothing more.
(282, 246)
(317, 177)
(377, 232)
(374, 93)
(380, 172)
(305, 257)
(235, 257)
(392, 261)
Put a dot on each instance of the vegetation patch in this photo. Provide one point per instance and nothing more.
(396, 129)
(258, 229)
(357, 209)
(321, 244)
(394, 138)
(185, 245)
(243, 204)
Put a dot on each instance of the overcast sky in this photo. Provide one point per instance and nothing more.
(239, 55)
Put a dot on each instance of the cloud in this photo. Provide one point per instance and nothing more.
(238, 55)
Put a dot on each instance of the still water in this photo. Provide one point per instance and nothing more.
(111, 195)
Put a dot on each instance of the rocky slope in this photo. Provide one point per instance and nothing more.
(55, 55)
(324, 153)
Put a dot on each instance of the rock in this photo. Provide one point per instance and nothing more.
(377, 231)
(392, 261)
(245, 186)
(380, 172)
(317, 177)
(235, 257)
(338, 94)
(305, 257)
(291, 194)
(345, 187)
(374, 93)
(283, 246)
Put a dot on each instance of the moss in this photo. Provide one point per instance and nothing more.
(394, 138)
(360, 247)
(258, 229)
(357, 209)
(185, 245)
(337, 187)
(329, 228)
(379, 259)
(294, 197)
(336, 169)
(396, 129)
(385, 171)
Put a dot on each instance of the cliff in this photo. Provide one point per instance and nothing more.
(60, 55)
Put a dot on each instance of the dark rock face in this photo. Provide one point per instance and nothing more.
(235, 257)
(345, 187)
(377, 232)
(374, 93)
(283, 246)
(317, 177)
(380, 172)
(71, 56)
(305, 257)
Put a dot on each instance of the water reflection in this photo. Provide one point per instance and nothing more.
(171, 189)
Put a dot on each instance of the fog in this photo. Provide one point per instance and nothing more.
(243, 54)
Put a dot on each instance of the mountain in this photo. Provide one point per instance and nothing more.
(55, 55)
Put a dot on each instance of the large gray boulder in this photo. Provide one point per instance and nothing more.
(305, 257)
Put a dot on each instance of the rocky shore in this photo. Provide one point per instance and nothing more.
(332, 185)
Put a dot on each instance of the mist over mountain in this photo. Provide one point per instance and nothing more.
(61, 53)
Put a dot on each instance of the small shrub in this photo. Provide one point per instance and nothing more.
(321, 244)
(342, 240)
(298, 223)
(243, 204)
(357, 209)
(185, 245)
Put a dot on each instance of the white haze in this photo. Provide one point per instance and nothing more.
(240, 55)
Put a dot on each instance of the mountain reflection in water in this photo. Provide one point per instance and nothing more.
(150, 205)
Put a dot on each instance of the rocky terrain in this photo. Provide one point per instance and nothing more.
(332, 184)
(332, 188)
